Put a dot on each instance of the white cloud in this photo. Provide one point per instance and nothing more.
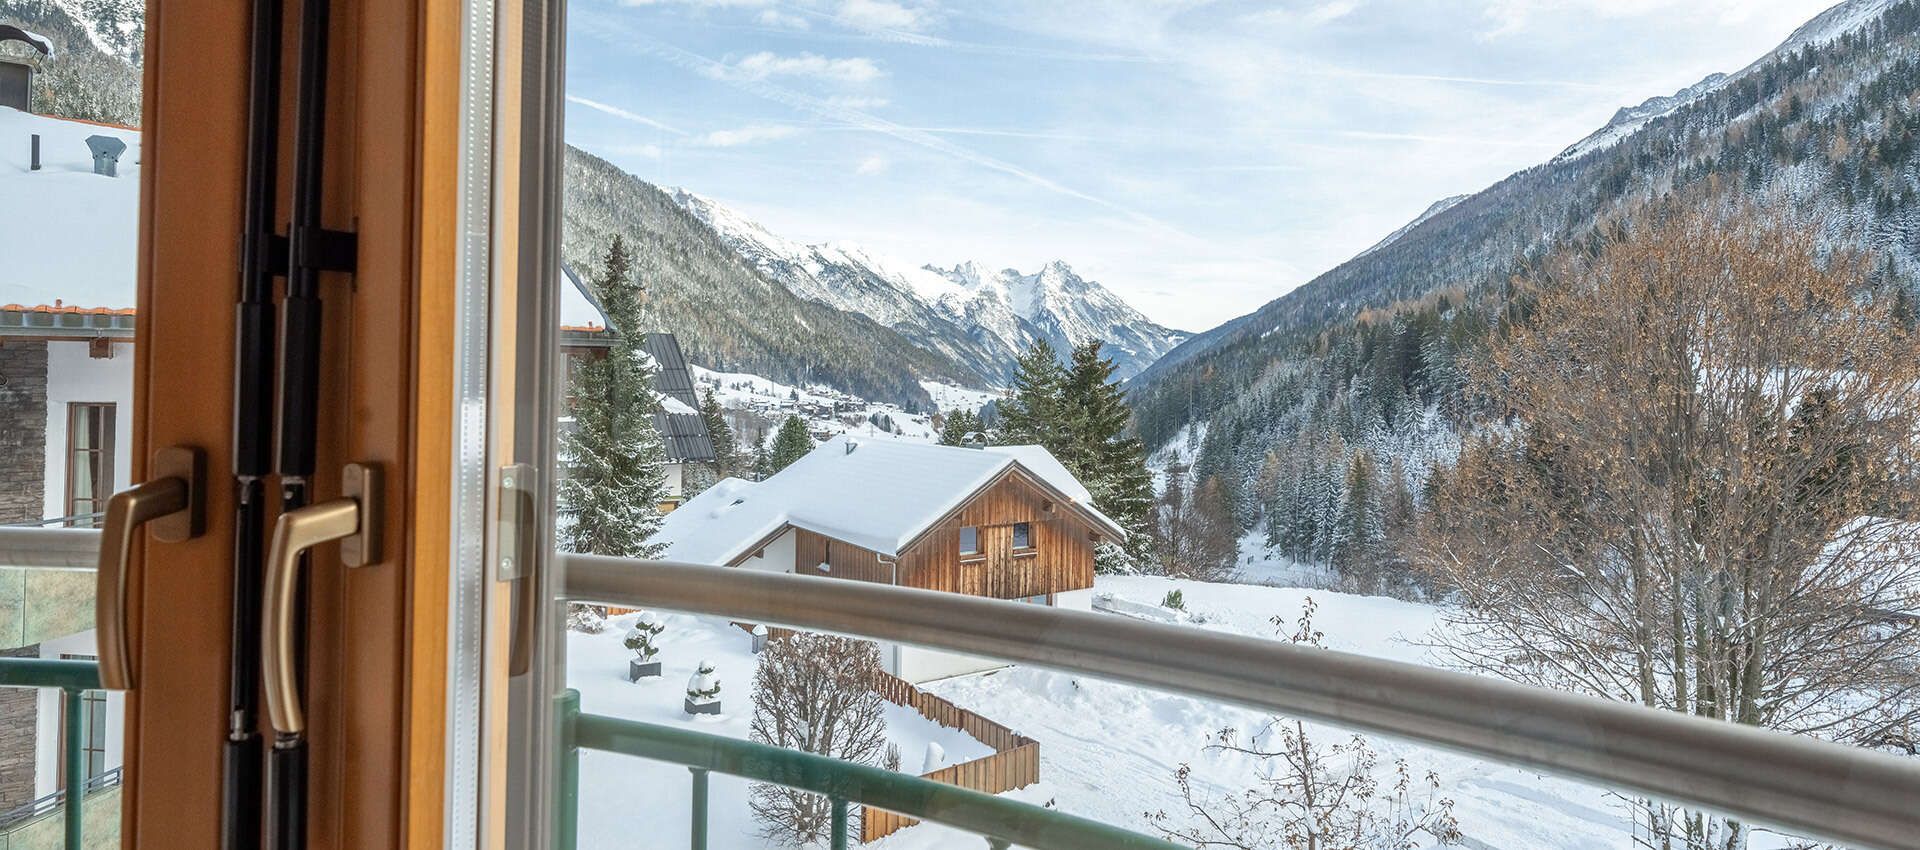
(747, 135)
(1331, 10)
(781, 20)
(760, 66)
(622, 114)
(873, 165)
(856, 102)
(881, 15)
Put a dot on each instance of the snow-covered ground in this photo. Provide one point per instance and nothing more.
(1107, 751)
(69, 232)
(630, 802)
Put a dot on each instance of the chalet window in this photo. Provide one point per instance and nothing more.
(1022, 535)
(969, 540)
(89, 459)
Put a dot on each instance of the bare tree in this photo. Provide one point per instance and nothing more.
(814, 693)
(1193, 529)
(1700, 497)
(1312, 796)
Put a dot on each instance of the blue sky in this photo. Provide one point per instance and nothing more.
(1198, 158)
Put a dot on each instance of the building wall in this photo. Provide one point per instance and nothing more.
(1061, 557)
(18, 728)
(777, 556)
(74, 376)
(47, 748)
(23, 434)
(918, 665)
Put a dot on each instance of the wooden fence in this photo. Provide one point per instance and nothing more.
(1015, 762)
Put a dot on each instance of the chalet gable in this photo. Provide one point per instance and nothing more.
(881, 495)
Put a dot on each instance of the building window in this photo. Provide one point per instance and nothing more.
(1022, 535)
(93, 729)
(89, 459)
(969, 540)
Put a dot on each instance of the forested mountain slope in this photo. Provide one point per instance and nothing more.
(94, 72)
(729, 316)
(1280, 405)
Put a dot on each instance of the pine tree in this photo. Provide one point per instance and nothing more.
(614, 459)
(1357, 528)
(1090, 439)
(959, 424)
(1030, 414)
(726, 454)
(790, 444)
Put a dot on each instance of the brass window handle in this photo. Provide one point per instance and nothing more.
(174, 502)
(353, 519)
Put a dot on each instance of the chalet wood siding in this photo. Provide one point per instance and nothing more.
(844, 560)
(1061, 557)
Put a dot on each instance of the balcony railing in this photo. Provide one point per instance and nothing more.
(72, 677)
(1000, 821)
(1816, 788)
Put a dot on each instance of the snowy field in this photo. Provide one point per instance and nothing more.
(1108, 751)
(623, 799)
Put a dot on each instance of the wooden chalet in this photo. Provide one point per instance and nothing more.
(1007, 522)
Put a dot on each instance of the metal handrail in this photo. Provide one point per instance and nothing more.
(1818, 788)
(47, 803)
(55, 520)
(74, 678)
(998, 819)
(53, 548)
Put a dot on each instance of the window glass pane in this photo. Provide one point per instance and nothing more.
(1340, 428)
(71, 168)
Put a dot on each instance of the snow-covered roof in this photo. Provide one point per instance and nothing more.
(578, 309)
(875, 493)
(69, 236)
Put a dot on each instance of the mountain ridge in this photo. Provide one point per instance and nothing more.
(1479, 238)
(976, 314)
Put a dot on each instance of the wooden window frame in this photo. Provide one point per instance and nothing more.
(976, 554)
(102, 467)
(1028, 549)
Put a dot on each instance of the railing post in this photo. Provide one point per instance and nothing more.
(76, 783)
(568, 818)
(839, 824)
(699, 807)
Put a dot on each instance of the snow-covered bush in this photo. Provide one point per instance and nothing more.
(644, 636)
(591, 619)
(703, 688)
(935, 759)
(1174, 600)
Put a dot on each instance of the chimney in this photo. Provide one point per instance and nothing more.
(34, 154)
(106, 154)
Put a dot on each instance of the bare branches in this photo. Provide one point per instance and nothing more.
(813, 693)
(1702, 496)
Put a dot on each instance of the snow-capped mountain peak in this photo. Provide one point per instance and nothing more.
(979, 313)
